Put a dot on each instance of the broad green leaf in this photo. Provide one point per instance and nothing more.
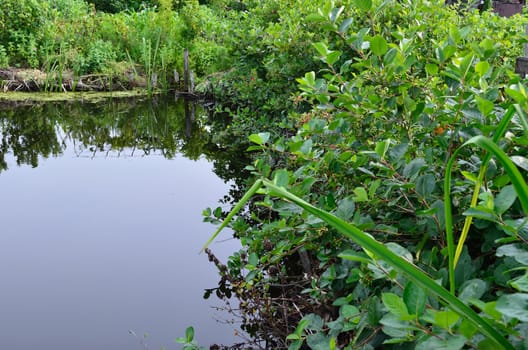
(318, 341)
(397, 152)
(400, 251)
(360, 195)
(378, 45)
(335, 13)
(445, 319)
(488, 308)
(445, 342)
(505, 199)
(514, 251)
(483, 213)
(482, 68)
(260, 138)
(316, 323)
(301, 326)
(332, 57)
(474, 288)
(484, 106)
(414, 298)
(514, 306)
(395, 305)
(390, 56)
(521, 283)
(345, 208)
(189, 334)
(345, 25)
(363, 5)
(350, 313)
(321, 48)
(431, 69)
(281, 177)
(414, 167)
(520, 161)
(253, 259)
(425, 184)
(470, 176)
(296, 344)
(382, 147)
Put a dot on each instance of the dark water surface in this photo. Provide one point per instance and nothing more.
(101, 228)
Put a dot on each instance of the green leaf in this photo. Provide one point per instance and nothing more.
(470, 176)
(505, 199)
(425, 184)
(382, 147)
(482, 68)
(431, 69)
(520, 161)
(444, 342)
(321, 48)
(445, 319)
(395, 305)
(360, 195)
(189, 334)
(484, 106)
(295, 345)
(515, 251)
(260, 138)
(414, 167)
(514, 306)
(363, 5)
(378, 45)
(318, 341)
(521, 283)
(281, 177)
(350, 313)
(483, 213)
(345, 208)
(345, 25)
(332, 57)
(474, 288)
(414, 298)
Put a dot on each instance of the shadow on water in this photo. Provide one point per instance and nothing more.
(105, 222)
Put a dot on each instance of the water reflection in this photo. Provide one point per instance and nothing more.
(30, 132)
(103, 235)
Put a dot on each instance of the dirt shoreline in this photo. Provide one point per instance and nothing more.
(35, 80)
(30, 86)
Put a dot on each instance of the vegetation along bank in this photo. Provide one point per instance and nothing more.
(386, 146)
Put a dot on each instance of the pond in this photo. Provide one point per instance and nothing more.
(102, 227)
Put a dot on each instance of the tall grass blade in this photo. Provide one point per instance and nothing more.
(247, 196)
(499, 133)
(514, 174)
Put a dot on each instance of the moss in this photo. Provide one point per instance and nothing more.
(17, 98)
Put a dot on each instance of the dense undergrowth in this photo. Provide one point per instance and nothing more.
(403, 119)
(144, 42)
(394, 91)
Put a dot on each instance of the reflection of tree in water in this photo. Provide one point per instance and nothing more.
(117, 128)
(28, 134)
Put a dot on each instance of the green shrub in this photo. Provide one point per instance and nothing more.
(20, 24)
(402, 86)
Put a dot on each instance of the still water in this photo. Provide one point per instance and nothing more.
(101, 228)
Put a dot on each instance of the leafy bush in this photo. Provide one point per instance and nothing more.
(405, 84)
(20, 22)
